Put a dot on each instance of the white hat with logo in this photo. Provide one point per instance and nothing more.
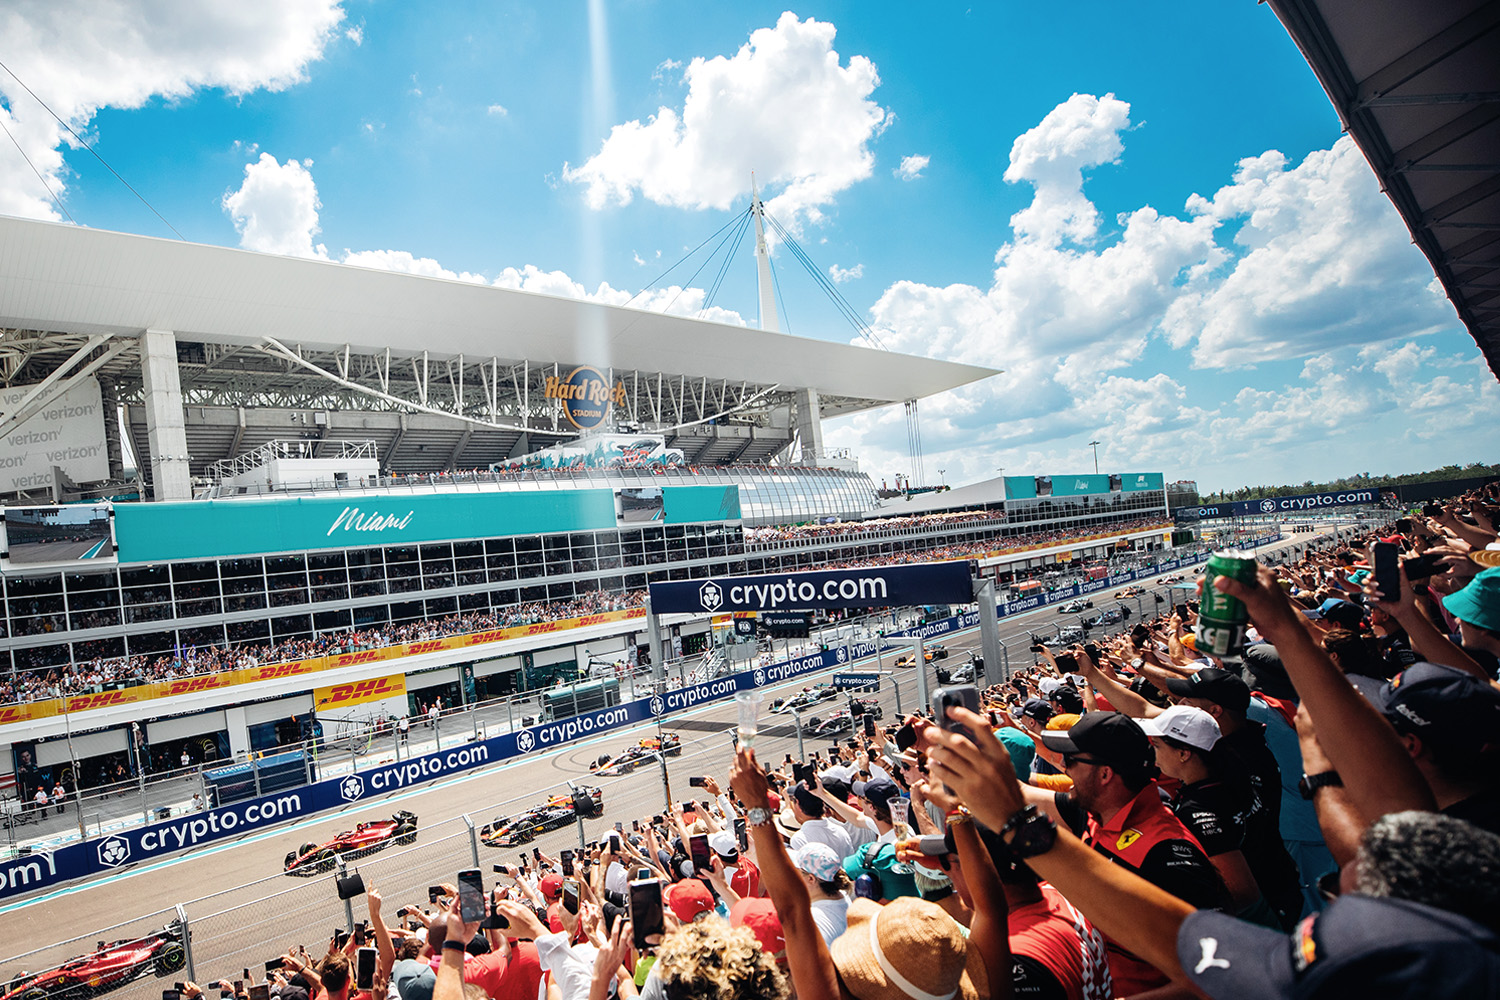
(1185, 724)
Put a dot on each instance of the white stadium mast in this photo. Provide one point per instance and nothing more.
(763, 263)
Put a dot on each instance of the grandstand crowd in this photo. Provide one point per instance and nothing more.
(98, 673)
(1317, 817)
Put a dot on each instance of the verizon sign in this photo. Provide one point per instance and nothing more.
(68, 432)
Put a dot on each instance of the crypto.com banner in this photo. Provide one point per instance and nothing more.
(860, 587)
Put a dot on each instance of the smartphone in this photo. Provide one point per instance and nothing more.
(245, 976)
(1067, 663)
(906, 737)
(359, 934)
(959, 695)
(1387, 570)
(635, 826)
(619, 827)
(434, 893)
(1421, 567)
(742, 833)
(340, 939)
(471, 895)
(646, 912)
(260, 991)
(658, 819)
(570, 895)
(695, 781)
(800, 773)
(1093, 650)
(275, 963)
(239, 984)
(788, 759)
(364, 968)
(870, 727)
(698, 851)
(536, 852)
(1432, 510)
(1182, 611)
(1403, 525)
(171, 995)
(1037, 647)
(567, 864)
(499, 870)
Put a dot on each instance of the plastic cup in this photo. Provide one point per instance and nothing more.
(748, 704)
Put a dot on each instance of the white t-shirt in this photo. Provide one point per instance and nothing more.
(831, 916)
(824, 831)
(617, 879)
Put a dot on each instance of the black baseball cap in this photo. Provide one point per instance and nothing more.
(1443, 705)
(1038, 709)
(1358, 946)
(880, 790)
(1068, 700)
(1212, 684)
(1107, 737)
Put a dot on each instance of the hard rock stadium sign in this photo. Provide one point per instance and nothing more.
(586, 396)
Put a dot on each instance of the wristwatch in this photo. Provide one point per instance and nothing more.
(1310, 783)
(758, 816)
(1029, 832)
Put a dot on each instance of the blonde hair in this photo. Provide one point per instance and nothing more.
(708, 959)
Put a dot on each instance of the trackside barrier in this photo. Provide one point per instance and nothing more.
(133, 846)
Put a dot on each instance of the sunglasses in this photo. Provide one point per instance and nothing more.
(1070, 759)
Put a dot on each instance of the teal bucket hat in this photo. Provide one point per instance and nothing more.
(1479, 602)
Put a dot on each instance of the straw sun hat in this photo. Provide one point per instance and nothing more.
(908, 949)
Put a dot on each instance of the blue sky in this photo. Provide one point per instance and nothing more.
(1143, 213)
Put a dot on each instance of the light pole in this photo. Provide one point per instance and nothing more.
(1095, 445)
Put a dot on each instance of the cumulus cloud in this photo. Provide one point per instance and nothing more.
(275, 208)
(1285, 261)
(911, 167)
(497, 110)
(80, 56)
(356, 34)
(843, 274)
(785, 105)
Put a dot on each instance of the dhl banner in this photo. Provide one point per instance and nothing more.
(272, 671)
(330, 699)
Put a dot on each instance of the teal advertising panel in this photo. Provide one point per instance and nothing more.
(701, 503)
(1132, 481)
(204, 529)
(1020, 488)
(1078, 486)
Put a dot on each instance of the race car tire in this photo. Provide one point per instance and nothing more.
(173, 958)
(602, 761)
(879, 712)
(407, 839)
(941, 654)
(326, 860)
(812, 723)
(35, 994)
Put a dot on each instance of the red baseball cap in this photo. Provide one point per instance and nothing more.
(760, 916)
(550, 887)
(689, 898)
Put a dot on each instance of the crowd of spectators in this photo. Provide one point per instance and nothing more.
(853, 529)
(1317, 816)
(95, 674)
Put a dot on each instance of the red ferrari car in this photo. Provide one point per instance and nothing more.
(108, 967)
(367, 838)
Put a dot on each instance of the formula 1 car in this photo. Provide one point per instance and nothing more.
(840, 721)
(1073, 607)
(643, 752)
(107, 967)
(804, 699)
(556, 812)
(364, 839)
(929, 653)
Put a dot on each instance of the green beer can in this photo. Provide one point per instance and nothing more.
(1220, 631)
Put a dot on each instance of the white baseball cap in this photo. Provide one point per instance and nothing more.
(1186, 724)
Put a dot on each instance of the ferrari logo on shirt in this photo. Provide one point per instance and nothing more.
(1126, 839)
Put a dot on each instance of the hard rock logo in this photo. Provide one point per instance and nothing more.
(586, 396)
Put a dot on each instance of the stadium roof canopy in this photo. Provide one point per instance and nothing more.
(441, 373)
(1417, 86)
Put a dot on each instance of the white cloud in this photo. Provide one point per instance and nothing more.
(497, 110)
(275, 209)
(356, 34)
(1316, 265)
(401, 260)
(843, 274)
(80, 56)
(911, 167)
(1326, 261)
(665, 67)
(783, 106)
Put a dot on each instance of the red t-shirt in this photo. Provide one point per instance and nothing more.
(516, 978)
(1051, 939)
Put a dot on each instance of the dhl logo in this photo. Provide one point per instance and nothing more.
(541, 627)
(280, 670)
(15, 713)
(371, 690)
(431, 646)
(491, 636)
(194, 684)
(363, 656)
(84, 702)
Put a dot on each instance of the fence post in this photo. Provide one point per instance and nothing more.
(187, 943)
(254, 771)
(801, 751)
(141, 791)
(473, 840)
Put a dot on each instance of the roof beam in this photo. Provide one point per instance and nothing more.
(1458, 35)
(1464, 199)
(1445, 136)
(1427, 100)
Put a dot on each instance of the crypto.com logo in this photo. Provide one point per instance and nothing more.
(710, 596)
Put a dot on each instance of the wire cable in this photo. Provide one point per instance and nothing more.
(685, 257)
(91, 149)
(38, 173)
